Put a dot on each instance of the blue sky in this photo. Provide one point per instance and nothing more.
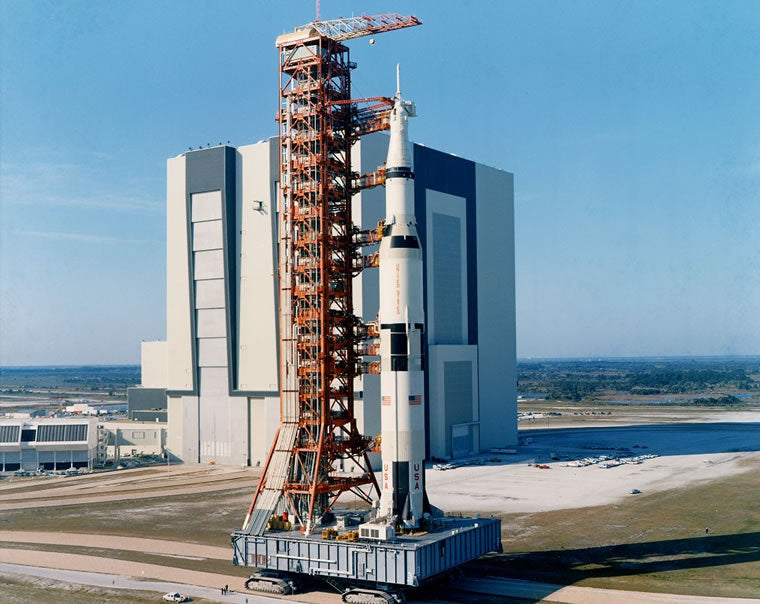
(632, 129)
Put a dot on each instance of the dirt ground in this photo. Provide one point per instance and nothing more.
(669, 455)
(702, 539)
(699, 535)
(115, 486)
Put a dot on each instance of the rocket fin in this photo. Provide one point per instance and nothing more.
(406, 512)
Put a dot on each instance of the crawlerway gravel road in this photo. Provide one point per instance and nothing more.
(63, 567)
(118, 582)
(545, 592)
(192, 551)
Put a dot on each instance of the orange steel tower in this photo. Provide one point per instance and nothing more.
(319, 254)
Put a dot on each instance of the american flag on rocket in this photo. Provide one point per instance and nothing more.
(386, 400)
(415, 399)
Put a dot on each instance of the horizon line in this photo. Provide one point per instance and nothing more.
(519, 359)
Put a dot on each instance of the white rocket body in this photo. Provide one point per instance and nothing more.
(402, 322)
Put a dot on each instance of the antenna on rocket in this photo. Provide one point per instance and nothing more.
(398, 80)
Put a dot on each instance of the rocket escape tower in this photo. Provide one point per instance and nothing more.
(321, 340)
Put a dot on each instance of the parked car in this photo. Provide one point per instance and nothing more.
(175, 596)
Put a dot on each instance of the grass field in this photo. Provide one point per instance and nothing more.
(221, 567)
(205, 518)
(22, 590)
(703, 540)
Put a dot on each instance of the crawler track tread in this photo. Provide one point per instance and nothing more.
(270, 585)
(362, 595)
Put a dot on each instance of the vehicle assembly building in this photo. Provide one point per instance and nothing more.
(220, 361)
(219, 364)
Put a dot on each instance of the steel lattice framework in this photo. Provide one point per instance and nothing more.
(321, 340)
(315, 146)
(348, 28)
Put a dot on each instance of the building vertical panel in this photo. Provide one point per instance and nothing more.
(178, 316)
(257, 367)
(497, 354)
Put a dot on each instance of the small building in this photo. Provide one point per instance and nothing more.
(131, 438)
(51, 444)
(26, 413)
(96, 408)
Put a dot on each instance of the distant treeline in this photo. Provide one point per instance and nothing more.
(721, 401)
(83, 378)
(578, 380)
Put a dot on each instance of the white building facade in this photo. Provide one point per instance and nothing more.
(131, 438)
(220, 361)
(51, 444)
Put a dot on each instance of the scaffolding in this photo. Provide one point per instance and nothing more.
(318, 452)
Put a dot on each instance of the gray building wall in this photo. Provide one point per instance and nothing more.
(146, 398)
(149, 415)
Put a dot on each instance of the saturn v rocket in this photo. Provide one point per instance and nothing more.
(402, 323)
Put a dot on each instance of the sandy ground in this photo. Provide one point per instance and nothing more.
(123, 568)
(134, 475)
(121, 485)
(134, 544)
(687, 453)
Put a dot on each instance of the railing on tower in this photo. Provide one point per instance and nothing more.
(318, 453)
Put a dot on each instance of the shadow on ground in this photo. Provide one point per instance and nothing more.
(570, 566)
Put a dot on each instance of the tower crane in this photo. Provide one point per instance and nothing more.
(355, 27)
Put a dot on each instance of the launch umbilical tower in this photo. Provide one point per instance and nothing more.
(318, 452)
(371, 556)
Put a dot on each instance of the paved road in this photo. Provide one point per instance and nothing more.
(109, 581)
(118, 582)
(119, 486)
(132, 474)
(171, 576)
(138, 483)
(150, 494)
(531, 590)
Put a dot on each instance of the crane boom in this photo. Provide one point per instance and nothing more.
(363, 25)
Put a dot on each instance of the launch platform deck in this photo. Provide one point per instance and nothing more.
(406, 561)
